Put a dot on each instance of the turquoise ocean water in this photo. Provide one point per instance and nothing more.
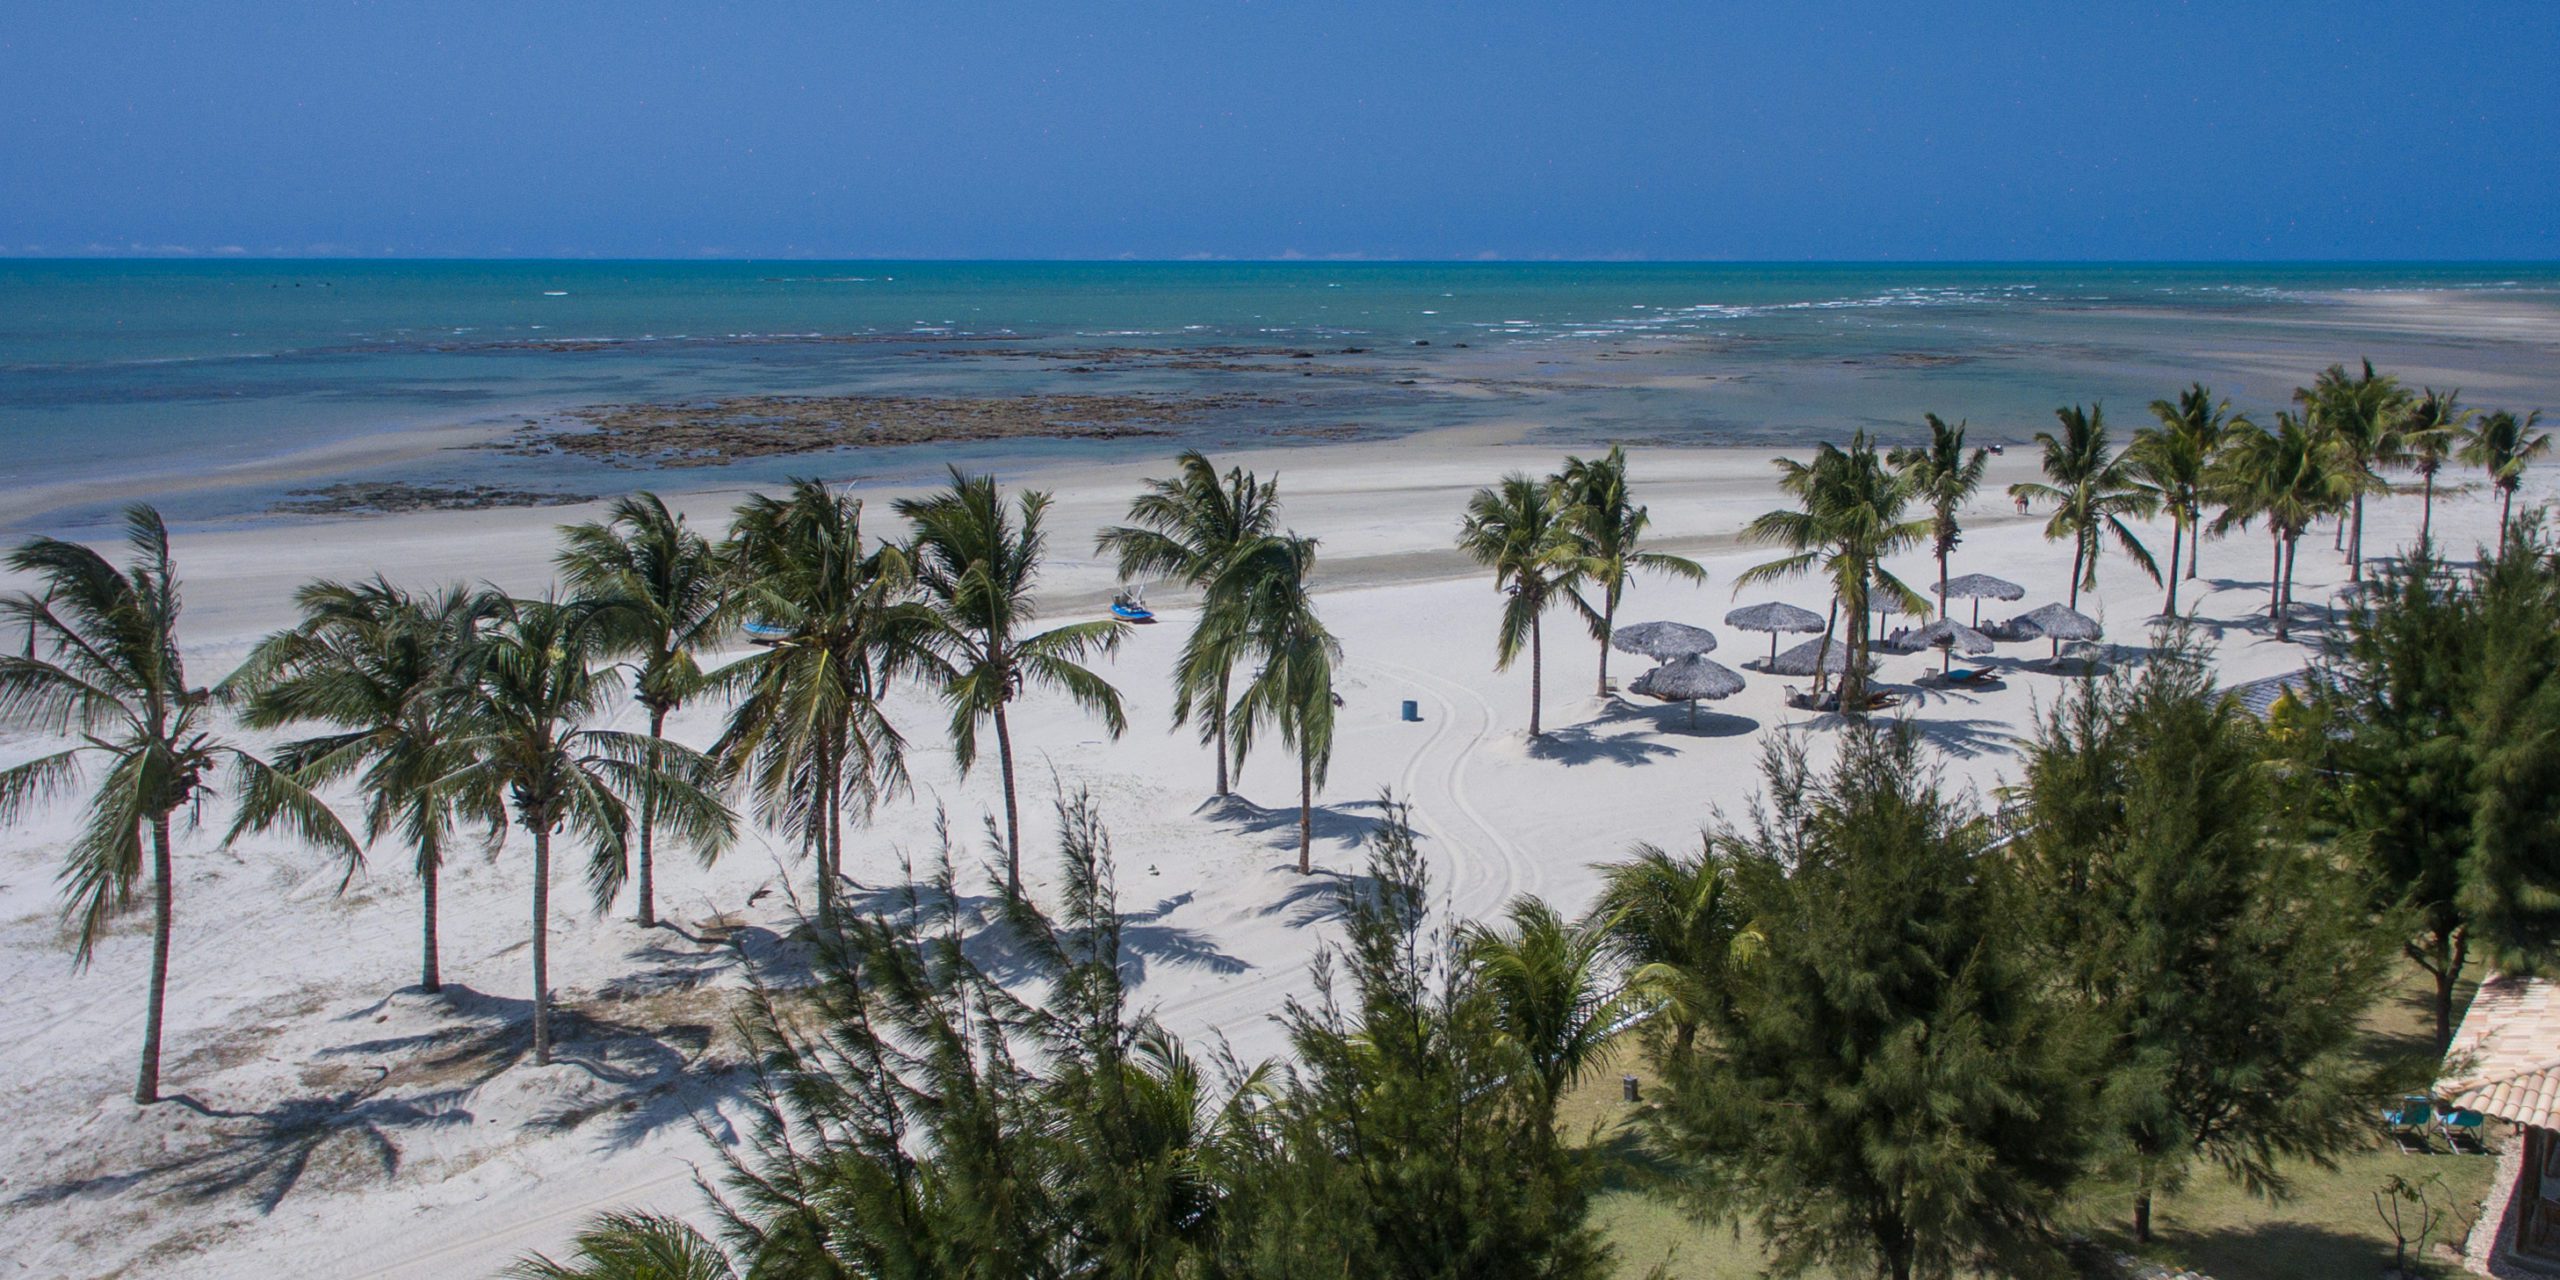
(215, 386)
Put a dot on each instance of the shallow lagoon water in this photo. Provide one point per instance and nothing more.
(214, 387)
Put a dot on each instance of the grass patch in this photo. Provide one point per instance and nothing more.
(2323, 1229)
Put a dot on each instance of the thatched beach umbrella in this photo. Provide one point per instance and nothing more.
(1773, 618)
(1805, 659)
(1979, 587)
(1662, 641)
(1687, 679)
(1954, 637)
(2059, 622)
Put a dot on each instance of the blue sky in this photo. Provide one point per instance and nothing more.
(1215, 128)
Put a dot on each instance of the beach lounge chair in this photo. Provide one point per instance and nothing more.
(2407, 1124)
(2461, 1128)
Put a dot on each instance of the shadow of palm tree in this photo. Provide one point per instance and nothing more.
(264, 1154)
(1341, 824)
(1967, 738)
(1317, 896)
(1578, 744)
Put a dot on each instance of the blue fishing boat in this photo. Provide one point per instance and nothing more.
(1129, 606)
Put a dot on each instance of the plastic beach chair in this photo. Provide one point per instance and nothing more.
(2461, 1127)
(2408, 1122)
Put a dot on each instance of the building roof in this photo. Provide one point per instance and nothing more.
(2505, 1059)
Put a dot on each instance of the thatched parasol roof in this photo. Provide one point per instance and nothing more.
(1948, 631)
(1773, 617)
(1688, 679)
(1982, 586)
(1799, 661)
(1662, 641)
(2061, 622)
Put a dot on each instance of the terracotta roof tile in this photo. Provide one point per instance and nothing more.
(2505, 1058)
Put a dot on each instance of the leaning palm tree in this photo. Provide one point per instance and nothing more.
(1850, 516)
(381, 665)
(2092, 491)
(2504, 445)
(975, 564)
(2286, 478)
(2360, 416)
(537, 680)
(1554, 998)
(1266, 587)
(1187, 529)
(2428, 437)
(1607, 529)
(1519, 530)
(1943, 477)
(2173, 462)
(103, 667)
(834, 627)
(656, 587)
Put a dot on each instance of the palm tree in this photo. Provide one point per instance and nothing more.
(2434, 429)
(2285, 478)
(536, 680)
(2504, 445)
(1680, 927)
(1551, 998)
(1520, 531)
(1849, 517)
(1187, 529)
(1266, 588)
(2092, 491)
(656, 587)
(632, 1246)
(834, 628)
(975, 565)
(103, 666)
(2361, 417)
(1607, 529)
(1943, 476)
(381, 665)
(2173, 462)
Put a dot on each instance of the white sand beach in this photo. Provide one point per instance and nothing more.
(328, 1125)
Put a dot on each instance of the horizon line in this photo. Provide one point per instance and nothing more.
(1305, 260)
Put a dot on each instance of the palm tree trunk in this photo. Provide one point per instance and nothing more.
(2079, 550)
(2195, 541)
(146, 1090)
(2427, 510)
(541, 945)
(2355, 545)
(822, 823)
(1822, 653)
(2177, 543)
(2274, 577)
(1218, 719)
(2506, 515)
(648, 822)
(2284, 610)
(1012, 816)
(1306, 812)
(1942, 584)
(430, 869)
(1608, 628)
(1537, 670)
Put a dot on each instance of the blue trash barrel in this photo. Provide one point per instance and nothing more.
(1412, 710)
